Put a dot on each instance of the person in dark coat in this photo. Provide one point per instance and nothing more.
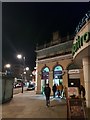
(82, 89)
(22, 84)
(47, 91)
(54, 89)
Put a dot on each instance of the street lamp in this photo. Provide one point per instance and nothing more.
(21, 57)
(27, 68)
(26, 73)
(7, 67)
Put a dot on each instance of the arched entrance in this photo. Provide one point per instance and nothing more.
(57, 75)
(73, 75)
(45, 77)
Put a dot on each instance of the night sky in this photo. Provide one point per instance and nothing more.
(25, 24)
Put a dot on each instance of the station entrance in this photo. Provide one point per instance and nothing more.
(57, 75)
(45, 78)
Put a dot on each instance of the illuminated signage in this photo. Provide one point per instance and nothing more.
(80, 41)
(82, 22)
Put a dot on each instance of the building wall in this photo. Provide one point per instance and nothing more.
(64, 61)
(82, 55)
(52, 55)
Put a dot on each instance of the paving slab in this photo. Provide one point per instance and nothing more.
(31, 105)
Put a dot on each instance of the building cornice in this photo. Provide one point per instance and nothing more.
(63, 57)
(53, 46)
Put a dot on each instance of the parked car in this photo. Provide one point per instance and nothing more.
(17, 85)
(31, 87)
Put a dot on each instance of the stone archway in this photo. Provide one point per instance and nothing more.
(45, 77)
(57, 75)
(73, 75)
(45, 74)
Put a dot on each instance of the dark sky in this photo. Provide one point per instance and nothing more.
(25, 24)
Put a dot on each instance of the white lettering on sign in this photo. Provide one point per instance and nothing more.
(73, 71)
(82, 22)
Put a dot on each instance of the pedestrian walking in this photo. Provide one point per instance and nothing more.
(47, 91)
(22, 86)
(82, 91)
(58, 90)
(54, 89)
(61, 90)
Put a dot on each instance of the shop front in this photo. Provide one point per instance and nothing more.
(44, 78)
(55, 66)
(57, 75)
(81, 54)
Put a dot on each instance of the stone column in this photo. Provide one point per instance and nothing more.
(86, 70)
(51, 80)
(38, 83)
(65, 78)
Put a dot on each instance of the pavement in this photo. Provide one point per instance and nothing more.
(32, 105)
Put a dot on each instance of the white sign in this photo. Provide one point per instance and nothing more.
(73, 71)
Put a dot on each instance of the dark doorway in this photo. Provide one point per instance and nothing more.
(73, 82)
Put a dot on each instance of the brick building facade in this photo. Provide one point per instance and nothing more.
(54, 64)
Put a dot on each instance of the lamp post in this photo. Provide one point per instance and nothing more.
(19, 56)
(25, 69)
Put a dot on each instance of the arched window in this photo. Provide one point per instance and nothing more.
(72, 66)
(57, 71)
(73, 75)
(46, 69)
(57, 75)
(45, 74)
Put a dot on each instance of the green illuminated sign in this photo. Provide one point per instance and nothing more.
(79, 42)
